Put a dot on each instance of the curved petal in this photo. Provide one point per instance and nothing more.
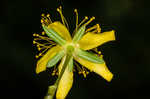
(92, 40)
(100, 69)
(61, 30)
(41, 64)
(65, 83)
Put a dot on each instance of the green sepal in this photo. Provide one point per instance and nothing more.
(70, 64)
(55, 59)
(89, 56)
(54, 35)
(79, 34)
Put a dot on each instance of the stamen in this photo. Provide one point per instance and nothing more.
(95, 28)
(48, 16)
(43, 33)
(36, 56)
(76, 12)
(89, 21)
(64, 21)
(54, 71)
(82, 70)
(99, 53)
(46, 20)
(39, 37)
(98, 28)
(86, 18)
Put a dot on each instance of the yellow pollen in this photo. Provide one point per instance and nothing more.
(36, 56)
(99, 52)
(48, 15)
(75, 10)
(43, 33)
(34, 42)
(42, 14)
(101, 56)
(34, 34)
(39, 49)
(42, 21)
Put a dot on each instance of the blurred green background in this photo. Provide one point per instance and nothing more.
(128, 57)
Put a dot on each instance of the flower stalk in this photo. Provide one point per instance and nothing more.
(52, 89)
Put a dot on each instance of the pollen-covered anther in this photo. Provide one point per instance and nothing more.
(39, 49)
(34, 42)
(86, 17)
(98, 28)
(37, 35)
(75, 10)
(101, 56)
(38, 46)
(42, 21)
(99, 52)
(48, 15)
(42, 14)
(36, 56)
(34, 34)
(84, 74)
(43, 33)
(54, 72)
(87, 72)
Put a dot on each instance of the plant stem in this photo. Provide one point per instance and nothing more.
(52, 89)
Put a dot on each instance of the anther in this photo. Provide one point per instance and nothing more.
(48, 15)
(75, 10)
(58, 9)
(40, 54)
(57, 73)
(87, 72)
(34, 42)
(37, 35)
(34, 34)
(80, 72)
(36, 56)
(101, 56)
(42, 14)
(53, 74)
(86, 17)
(42, 21)
(38, 46)
(99, 52)
(84, 74)
(43, 33)
(39, 49)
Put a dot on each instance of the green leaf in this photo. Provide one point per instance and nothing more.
(79, 34)
(54, 35)
(54, 60)
(89, 56)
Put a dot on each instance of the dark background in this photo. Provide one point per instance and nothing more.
(127, 57)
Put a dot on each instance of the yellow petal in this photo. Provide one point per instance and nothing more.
(41, 64)
(100, 69)
(92, 40)
(61, 30)
(65, 83)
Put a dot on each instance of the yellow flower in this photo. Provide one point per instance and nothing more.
(60, 45)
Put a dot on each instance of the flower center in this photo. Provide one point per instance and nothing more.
(70, 49)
